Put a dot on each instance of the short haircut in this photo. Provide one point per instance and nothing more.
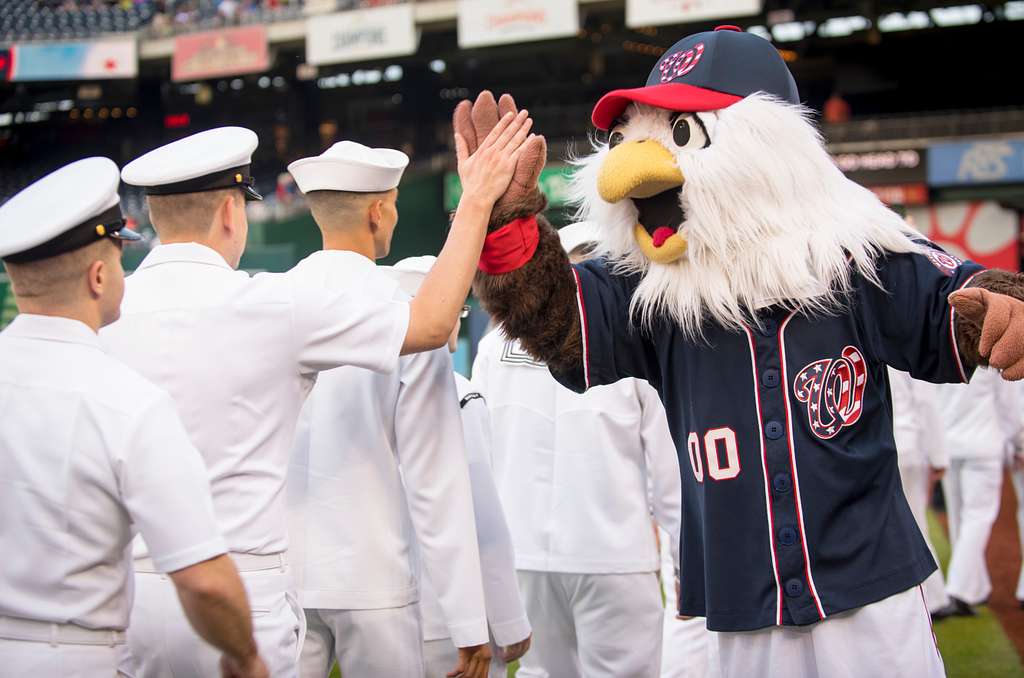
(58, 280)
(339, 209)
(187, 213)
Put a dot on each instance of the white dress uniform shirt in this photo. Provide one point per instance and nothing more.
(239, 354)
(573, 470)
(355, 528)
(505, 612)
(983, 419)
(90, 452)
(917, 424)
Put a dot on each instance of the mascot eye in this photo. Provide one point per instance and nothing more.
(615, 138)
(688, 132)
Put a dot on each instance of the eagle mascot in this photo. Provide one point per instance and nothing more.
(763, 294)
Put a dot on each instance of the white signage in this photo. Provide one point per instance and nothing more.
(361, 35)
(499, 22)
(660, 12)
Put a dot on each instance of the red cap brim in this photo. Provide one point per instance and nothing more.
(672, 96)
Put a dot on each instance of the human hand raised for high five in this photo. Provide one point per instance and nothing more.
(474, 121)
(486, 170)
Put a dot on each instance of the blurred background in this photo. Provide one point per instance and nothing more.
(923, 102)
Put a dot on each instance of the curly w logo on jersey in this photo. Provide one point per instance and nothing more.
(834, 391)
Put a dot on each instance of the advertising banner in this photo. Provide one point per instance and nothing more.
(902, 194)
(94, 60)
(981, 231)
(997, 161)
(499, 22)
(661, 12)
(876, 168)
(554, 183)
(360, 35)
(214, 54)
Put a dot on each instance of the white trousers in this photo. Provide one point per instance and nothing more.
(593, 625)
(689, 650)
(1018, 488)
(366, 643)
(23, 658)
(161, 644)
(891, 638)
(917, 488)
(440, 657)
(972, 488)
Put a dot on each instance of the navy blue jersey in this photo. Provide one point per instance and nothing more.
(792, 503)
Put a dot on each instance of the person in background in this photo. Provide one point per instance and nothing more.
(90, 453)
(983, 421)
(354, 524)
(688, 648)
(573, 473)
(923, 459)
(239, 354)
(1016, 463)
(506, 616)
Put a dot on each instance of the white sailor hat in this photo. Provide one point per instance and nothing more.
(207, 161)
(348, 166)
(64, 211)
(580, 233)
(410, 272)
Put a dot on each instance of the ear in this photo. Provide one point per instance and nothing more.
(226, 211)
(96, 278)
(376, 213)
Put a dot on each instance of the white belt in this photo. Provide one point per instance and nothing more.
(245, 562)
(12, 628)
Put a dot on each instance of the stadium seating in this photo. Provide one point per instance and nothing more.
(34, 20)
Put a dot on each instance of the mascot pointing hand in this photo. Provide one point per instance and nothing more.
(762, 294)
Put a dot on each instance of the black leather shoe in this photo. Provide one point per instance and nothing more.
(961, 609)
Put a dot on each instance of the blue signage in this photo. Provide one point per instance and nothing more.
(995, 161)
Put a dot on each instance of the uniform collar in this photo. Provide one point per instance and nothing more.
(183, 252)
(52, 328)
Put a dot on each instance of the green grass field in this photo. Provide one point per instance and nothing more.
(972, 647)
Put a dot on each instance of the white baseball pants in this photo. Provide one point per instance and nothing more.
(972, 488)
(891, 638)
(593, 625)
(689, 650)
(916, 487)
(161, 644)
(365, 643)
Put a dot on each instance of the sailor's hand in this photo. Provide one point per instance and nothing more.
(514, 651)
(486, 171)
(474, 662)
(250, 667)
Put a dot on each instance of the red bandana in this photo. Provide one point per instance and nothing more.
(510, 247)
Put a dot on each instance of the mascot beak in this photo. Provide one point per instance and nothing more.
(645, 172)
(637, 169)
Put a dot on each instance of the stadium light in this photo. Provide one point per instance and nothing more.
(1014, 11)
(438, 66)
(393, 73)
(897, 21)
(791, 31)
(841, 26)
(961, 15)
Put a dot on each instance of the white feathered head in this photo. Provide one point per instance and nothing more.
(716, 187)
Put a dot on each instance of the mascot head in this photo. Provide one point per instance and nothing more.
(714, 185)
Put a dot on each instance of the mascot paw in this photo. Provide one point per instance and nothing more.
(1000, 318)
(473, 121)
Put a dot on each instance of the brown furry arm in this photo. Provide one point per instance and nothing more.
(536, 303)
(968, 333)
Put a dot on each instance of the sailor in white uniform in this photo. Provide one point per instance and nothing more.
(506, 616)
(90, 453)
(917, 427)
(573, 473)
(353, 523)
(240, 353)
(983, 422)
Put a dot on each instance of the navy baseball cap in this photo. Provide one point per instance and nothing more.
(705, 72)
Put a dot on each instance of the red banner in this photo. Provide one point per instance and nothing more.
(214, 54)
(980, 231)
(902, 194)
